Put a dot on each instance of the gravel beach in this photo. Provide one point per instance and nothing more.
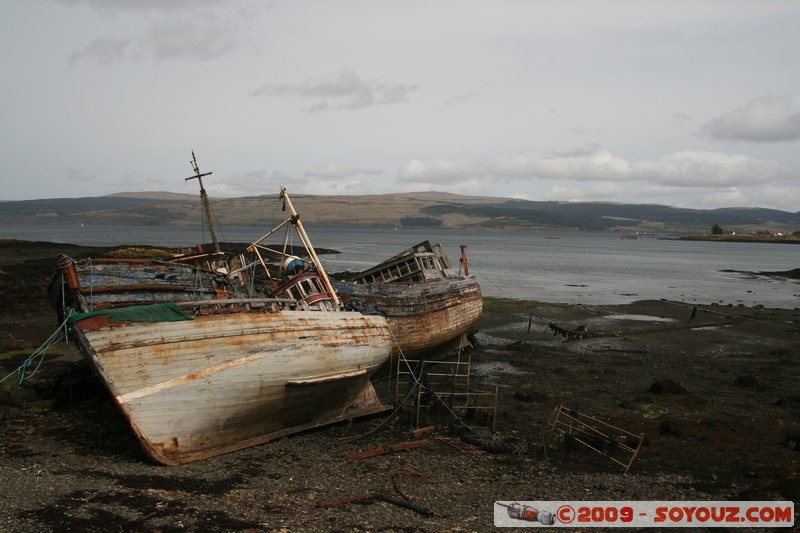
(714, 389)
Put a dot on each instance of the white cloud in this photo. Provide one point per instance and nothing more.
(440, 172)
(319, 181)
(587, 163)
(457, 101)
(251, 183)
(140, 5)
(785, 198)
(346, 91)
(81, 175)
(336, 171)
(574, 193)
(766, 119)
(583, 164)
(709, 169)
(161, 30)
(200, 36)
(103, 50)
(592, 163)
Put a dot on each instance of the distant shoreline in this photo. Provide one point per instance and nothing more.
(784, 239)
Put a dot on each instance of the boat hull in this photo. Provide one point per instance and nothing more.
(427, 318)
(193, 389)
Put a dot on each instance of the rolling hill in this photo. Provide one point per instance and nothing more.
(422, 209)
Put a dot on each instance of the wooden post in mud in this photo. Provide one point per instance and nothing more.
(464, 259)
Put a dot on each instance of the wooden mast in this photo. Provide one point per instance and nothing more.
(204, 199)
(308, 246)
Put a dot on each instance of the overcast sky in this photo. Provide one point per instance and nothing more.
(686, 103)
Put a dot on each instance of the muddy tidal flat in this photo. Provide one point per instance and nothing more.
(715, 390)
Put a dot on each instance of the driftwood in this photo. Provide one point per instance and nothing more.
(405, 501)
(566, 333)
(381, 450)
(382, 496)
(422, 431)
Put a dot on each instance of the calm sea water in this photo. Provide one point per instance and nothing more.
(590, 268)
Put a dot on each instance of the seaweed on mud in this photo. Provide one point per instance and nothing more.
(130, 510)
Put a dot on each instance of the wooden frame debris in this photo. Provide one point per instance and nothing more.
(566, 333)
(618, 445)
(443, 384)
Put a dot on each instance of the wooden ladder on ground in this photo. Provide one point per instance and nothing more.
(618, 445)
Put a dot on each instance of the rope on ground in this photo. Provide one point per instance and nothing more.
(385, 420)
(418, 383)
(400, 405)
(38, 355)
(472, 267)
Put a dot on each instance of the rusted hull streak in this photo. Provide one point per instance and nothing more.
(215, 384)
(423, 315)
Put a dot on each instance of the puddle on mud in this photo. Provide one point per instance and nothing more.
(641, 318)
(493, 368)
(488, 340)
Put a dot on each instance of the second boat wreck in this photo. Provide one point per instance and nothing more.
(429, 306)
(210, 356)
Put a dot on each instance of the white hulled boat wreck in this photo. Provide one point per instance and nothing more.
(429, 306)
(216, 352)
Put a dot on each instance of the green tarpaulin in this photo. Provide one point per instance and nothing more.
(169, 312)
